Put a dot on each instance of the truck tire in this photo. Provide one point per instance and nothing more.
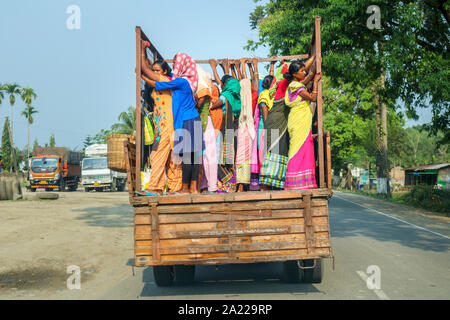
(121, 186)
(291, 272)
(73, 187)
(315, 274)
(48, 189)
(163, 275)
(113, 185)
(184, 275)
(9, 190)
(62, 185)
(3, 190)
(33, 189)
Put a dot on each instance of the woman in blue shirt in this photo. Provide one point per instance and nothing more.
(186, 119)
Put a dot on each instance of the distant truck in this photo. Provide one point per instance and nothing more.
(54, 168)
(95, 172)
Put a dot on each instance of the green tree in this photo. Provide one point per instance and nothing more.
(12, 89)
(28, 95)
(101, 137)
(6, 147)
(52, 141)
(2, 95)
(406, 58)
(28, 114)
(127, 124)
(35, 143)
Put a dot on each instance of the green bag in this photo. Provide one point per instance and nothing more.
(149, 134)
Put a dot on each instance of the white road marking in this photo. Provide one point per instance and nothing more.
(378, 292)
(384, 214)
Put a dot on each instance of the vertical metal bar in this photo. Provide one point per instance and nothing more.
(138, 109)
(318, 50)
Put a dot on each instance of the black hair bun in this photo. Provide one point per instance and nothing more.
(288, 76)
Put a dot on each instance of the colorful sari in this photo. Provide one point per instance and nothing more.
(226, 169)
(161, 157)
(301, 166)
(246, 134)
(274, 166)
(209, 178)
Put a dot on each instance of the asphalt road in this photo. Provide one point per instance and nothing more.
(408, 248)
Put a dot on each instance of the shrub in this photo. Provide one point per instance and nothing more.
(428, 197)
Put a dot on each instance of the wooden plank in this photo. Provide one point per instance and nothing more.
(227, 232)
(269, 59)
(155, 227)
(231, 197)
(138, 109)
(309, 224)
(206, 217)
(318, 52)
(217, 208)
(238, 248)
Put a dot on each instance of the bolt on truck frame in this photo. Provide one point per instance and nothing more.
(175, 233)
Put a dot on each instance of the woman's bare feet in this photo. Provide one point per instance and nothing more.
(194, 187)
(184, 188)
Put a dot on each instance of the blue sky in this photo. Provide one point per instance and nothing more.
(84, 78)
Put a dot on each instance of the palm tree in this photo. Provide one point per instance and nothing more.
(12, 89)
(127, 124)
(28, 113)
(1, 92)
(28, 95)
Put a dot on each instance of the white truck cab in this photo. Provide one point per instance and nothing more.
(95, 174)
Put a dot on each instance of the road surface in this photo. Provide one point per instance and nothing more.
(407, 249)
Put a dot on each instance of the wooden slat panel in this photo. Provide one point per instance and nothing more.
(238, 232)
(206, 217)
(267, 246)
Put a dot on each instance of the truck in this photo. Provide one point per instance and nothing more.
(175, 233)
(95, 172)
(54, 168)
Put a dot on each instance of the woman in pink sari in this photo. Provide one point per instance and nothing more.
(301, 162)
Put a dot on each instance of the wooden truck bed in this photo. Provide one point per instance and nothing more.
(239, 227)
(175, 233)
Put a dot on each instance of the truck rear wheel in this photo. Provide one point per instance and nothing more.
(163, 275)
(184, 275)
(291, 272)
(315, 274)
(62, 185)
(33, 189)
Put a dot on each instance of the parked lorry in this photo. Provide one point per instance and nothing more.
(95, 172)
(174, 233)
(54, 168)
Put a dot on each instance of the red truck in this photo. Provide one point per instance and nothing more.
(54, 168)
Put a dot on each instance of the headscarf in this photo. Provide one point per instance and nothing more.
(232, 92)
(216, 114)
(281, 70)
(185, 67)
(204, 83)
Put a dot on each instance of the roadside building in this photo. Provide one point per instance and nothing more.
(398, 176)
(432, 174)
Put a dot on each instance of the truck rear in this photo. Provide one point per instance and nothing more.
(54, 168)
(175, 233)
(95, 172)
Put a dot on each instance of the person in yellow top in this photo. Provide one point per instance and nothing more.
(265, 102)
(301, 170)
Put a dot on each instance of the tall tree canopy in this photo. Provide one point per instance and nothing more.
(410, 48)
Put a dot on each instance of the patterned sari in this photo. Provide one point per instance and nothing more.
(301, 166)
(274, 166)
(226, 168)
